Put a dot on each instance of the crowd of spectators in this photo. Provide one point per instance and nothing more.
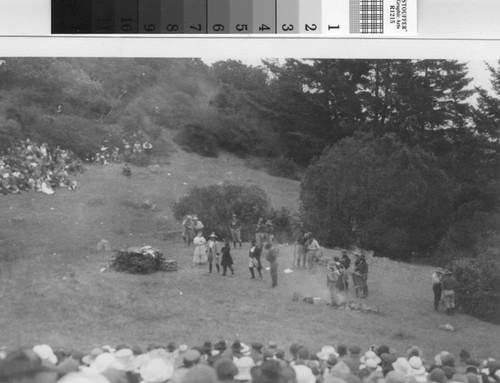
(27, 166)
(237, 362)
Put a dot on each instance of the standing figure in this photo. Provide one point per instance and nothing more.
(213, 252)
(449, 284)
(197, 224)
(361, 273)
(300, 244)
(235, 228)
(269, 231)
(346, 263)
(331, 281)
(437, 278)
(227, 260)
(254, 259)
(312, 250)
(272, 258)
(126, 171)
(200, 250)
(187, 230)
(260, 232)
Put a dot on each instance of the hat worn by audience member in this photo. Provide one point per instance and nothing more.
(200, 374)
(226, 369)
(156, 371)
(325, 353)
(417, 367)
(448, 371)
(66, 366)
(115, 376)
(244, 365)
(401, 365)
(304, 374)
(240, 347)
(371, 358)
(45, 352)
(396, 377)
(82, 377)
(102, 362)
(340, 370)
(125, 359)
(24, 362)
(88, 359)
(192, 356)
(437, 376)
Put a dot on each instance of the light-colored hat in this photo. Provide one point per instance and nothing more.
(82, 377)
(45, 352)
(401, 365)
(102, 362)
(156, 371)
(183, 348)
(304, 374)
(195, 217)
(439, 270)
(439, 357)
(325, 352)
(416, 365)
(244, 365)
(212, 235)
(88, 359)
(125, 358)
(370, 355)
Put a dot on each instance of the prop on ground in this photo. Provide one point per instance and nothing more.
(349, 306)
(141, 260)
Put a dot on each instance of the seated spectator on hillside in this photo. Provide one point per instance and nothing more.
(127, 172)
(26, 366)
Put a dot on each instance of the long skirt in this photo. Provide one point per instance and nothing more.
(200, 254)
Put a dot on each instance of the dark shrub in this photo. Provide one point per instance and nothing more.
(283, 167)
(197, 138)
(478, 293)
(214, 205)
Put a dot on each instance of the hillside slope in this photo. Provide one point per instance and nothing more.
(52, 289)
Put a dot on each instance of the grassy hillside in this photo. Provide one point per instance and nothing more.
(52, 289)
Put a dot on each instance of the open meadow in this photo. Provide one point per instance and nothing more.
(52, 289)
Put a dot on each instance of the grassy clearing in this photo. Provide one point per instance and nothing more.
(52, 290)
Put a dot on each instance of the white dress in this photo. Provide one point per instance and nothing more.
(200, 250)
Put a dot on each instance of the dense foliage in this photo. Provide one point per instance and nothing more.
(378, 193)
(478, 293)
(441, 184)
(215, 204)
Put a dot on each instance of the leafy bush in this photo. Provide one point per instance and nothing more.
(377, 193)
(197, 138)
(214, 205)
(478, 293)
(283, 167)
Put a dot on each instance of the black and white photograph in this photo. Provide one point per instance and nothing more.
(257, 220)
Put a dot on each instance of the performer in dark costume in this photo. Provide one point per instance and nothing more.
(254, 259)
(227, 260)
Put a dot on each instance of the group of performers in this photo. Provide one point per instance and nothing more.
(306, 255)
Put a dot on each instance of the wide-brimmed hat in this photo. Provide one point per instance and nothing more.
(24, 361)
(195, 217)
(45, 352)
(102, 362)
(439, 357)
(416, 365)
(439, 270)
(370, 355)
(401, 365)
(88, 359)
(325, 352)
(156, 371)
(192, 355)
(212, 235)
(304, 374)
(244, 365)
(240, 347)
(125, 358)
